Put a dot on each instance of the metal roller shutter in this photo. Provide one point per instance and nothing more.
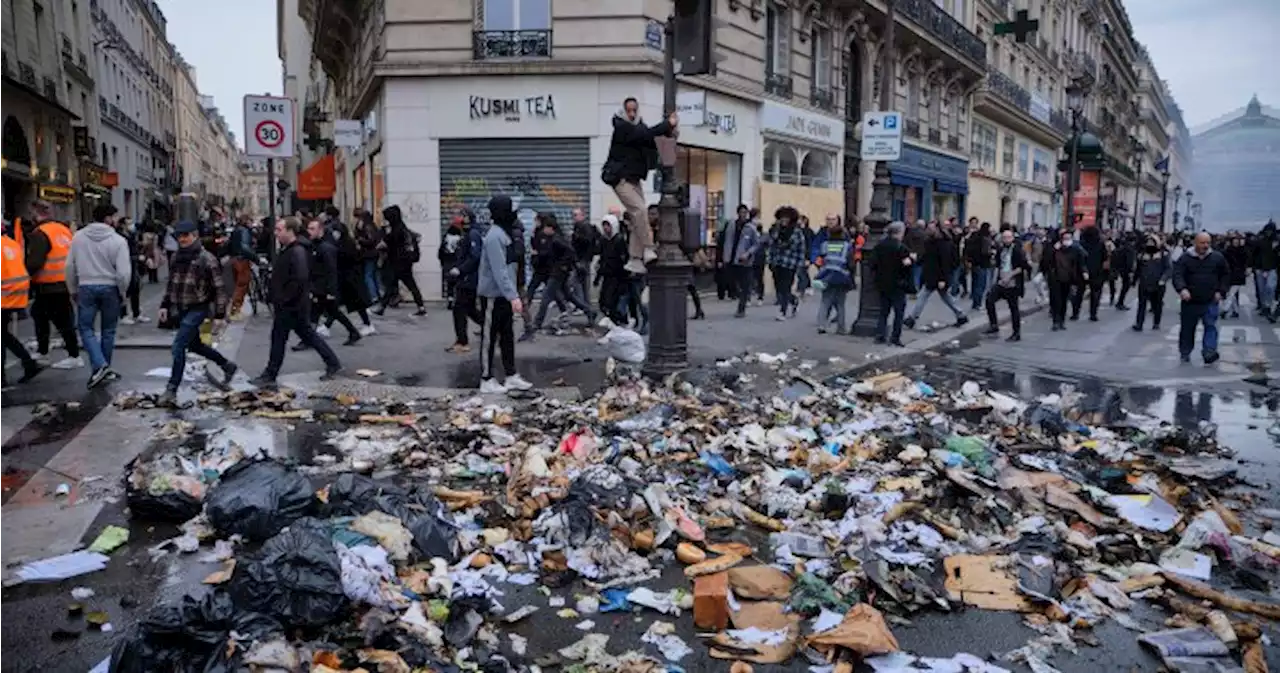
(539, 174)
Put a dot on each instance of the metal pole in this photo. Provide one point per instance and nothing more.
(668, 351)
(1137, 189)
(878, 219)
(1072, 173)
(271, 198)
(1164, 198)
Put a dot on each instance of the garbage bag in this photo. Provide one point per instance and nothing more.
(173, 505)
(190, 637)
(433, 535)
(258, 498)
(296, 576)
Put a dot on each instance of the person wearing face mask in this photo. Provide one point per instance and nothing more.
(1150, 276)
(1202, 278)
(1097, 260)
(1238, 257)
(1011, 270)
(1064, 268)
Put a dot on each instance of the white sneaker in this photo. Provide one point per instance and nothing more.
(492, 387)
(143, 318)
(126, 321)
(635, 266)
(69, 363)
(322, 331)
(649, 255)
(367, 330)
(517, 382)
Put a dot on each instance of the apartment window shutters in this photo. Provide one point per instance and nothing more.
(517, 15)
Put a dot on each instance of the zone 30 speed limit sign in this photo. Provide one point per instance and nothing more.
(268, 126)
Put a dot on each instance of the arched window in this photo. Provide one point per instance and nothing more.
(817, 169)
(935, 108)
(913, 96)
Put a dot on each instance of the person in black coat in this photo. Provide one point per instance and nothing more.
(560, 260)
(1122, 263)
(632, 154)
(291, 302)
(611, 275)
(1097, 259)
(1064, 267)
(1011, 271)
(326, 280)
(1237, 255)
(401, 248)
(466, 278)
(1150, 276)
(1202, 278)
(938, 261)
(891, 264)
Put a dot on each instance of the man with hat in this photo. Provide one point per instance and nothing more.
(195, 293)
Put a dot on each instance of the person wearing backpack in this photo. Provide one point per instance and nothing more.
(403, 251)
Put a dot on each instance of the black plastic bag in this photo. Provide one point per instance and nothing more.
(419, 511)
(174, 506)
(296, 577)
(258, 498)
(190, 637)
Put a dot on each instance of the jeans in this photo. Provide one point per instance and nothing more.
(1266, 286)
(917, 275)
(1009, 295)
(1193, 314)
(783, 280)
(582, 282)
(741, 277)
(1153, 298)
(978, 285)
(955, 281)
(896, 301)
(833, 298)
(1233, 300)
(297, 321)
(632, 297)
(557, 289)
(95, 300)
(925, 294)
(187, 338)
(371, 280)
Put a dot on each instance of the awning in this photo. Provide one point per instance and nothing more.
(318, 181)
(951, 187)
(903, 178)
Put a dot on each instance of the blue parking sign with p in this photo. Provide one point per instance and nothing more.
(891, 121)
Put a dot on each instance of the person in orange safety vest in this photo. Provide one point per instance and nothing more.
(48, 245)
(16, 286)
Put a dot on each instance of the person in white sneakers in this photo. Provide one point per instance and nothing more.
(499, 298)
(97, 275)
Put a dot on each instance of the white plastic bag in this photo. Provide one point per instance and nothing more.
(624, 345)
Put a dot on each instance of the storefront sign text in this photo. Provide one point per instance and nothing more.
(796, 123)
(694, 112)
(513, 109)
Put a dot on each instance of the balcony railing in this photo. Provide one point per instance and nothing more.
(912, 128)
(78, 69)
(1003, 87)
(1083, 62)
(941, 25)
(935, 136)
(1060, 120)
(490, 44)
(27, 74)
(824, 99)
(778, 85)
(67, 48)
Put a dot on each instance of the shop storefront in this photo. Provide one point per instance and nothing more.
(928, 185)
(317, 184)
(801, 161)
(93, 188)
(716, 132)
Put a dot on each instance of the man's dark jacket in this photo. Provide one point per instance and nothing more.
(324, 268)
(632, 151)
(937, 262)
(1202, 277)
(891, 275)
(291, 277)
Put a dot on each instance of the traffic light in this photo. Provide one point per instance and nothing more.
(692, 41)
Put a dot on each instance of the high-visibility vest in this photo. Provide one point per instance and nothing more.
(13, 275)
(55, 265)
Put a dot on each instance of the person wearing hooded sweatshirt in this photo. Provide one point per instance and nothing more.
(586, 245)
(1151, 274)
(98, 272)
(466, 276)
(632, 154)
(1237, 255)
(1096, 260)
(402, 253)
(499, 298)
(612, 273)
(448, 256)
(560, 262)
(368, 239)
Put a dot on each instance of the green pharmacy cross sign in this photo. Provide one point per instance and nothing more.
(1021, 26)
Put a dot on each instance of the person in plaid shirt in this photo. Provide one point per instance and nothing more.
(196, 292)
(786, 256)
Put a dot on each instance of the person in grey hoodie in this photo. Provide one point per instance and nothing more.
(741, 240)
(99, 269)
(499, 298)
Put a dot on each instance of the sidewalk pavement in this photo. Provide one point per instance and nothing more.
(410, 351)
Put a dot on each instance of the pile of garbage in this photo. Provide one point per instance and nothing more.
(779, 529)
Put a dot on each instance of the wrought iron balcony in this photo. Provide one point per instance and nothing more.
(27, 74)
(1005, 88)
(935, 136)
(78, 69)
(1083, 63)
(490, 44)
(1061, 120)
(942, 26)
(823, 98)
(912, 128)
(778, 85)
(67, 49)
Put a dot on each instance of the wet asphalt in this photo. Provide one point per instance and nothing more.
(41, 634)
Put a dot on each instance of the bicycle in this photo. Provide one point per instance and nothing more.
(259, 285)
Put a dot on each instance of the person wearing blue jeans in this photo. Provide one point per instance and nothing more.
(99, 268)
(1202, 277)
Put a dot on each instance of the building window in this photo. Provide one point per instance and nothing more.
(817, 169)
(935, 108)
(1022, 214)
(1006, 158)
(821, 61)
(777, 59)
(1024, 153)
(1039, 214)
(517, 15)
(913, 96)
(780, 165)
(957, 110)
(983, 143)
(1040, 169)
(38, 9)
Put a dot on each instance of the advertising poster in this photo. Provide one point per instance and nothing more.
(1084, 203)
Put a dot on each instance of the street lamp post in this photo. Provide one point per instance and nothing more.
(877, 220)
(1138, 151)
(1188, 213)
(1164, 195)
(1177, 201)
(1075, 102)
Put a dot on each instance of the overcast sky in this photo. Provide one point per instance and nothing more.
(232, 44)
(1215, 55)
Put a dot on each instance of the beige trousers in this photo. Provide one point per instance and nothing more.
(631, 194)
